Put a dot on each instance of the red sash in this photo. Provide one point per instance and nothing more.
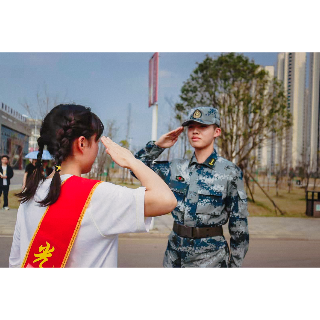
(53, 240)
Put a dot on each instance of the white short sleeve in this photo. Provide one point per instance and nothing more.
(115, 209)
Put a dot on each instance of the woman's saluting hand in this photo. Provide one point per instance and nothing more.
(158, 199)
(121, 156)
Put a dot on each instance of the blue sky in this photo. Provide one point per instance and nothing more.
(106, 82)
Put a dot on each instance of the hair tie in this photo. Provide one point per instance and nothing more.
(57, 168)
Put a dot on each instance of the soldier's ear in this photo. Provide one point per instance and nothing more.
(217, 132)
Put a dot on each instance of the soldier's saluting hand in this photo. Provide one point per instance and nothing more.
(170, 138)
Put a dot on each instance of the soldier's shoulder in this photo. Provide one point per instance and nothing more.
(224, 162)
(228, 166)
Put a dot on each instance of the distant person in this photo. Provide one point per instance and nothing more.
(6, 173)
(28, 171)
(69, 221)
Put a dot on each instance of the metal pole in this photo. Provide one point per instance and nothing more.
(154, 138)
(154, 134)
(154, 122)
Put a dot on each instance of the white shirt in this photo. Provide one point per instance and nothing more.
(112, 210)
(4, 170)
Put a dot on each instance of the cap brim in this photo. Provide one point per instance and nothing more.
(186, 123)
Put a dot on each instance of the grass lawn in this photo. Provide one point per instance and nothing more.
(293, 204)
(12, 199)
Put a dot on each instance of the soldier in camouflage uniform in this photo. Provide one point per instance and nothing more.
(209, 190)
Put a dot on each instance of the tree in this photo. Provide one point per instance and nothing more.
(45, 102)
(124, 144)
(252, 106)
(176, 120)
(103, 160)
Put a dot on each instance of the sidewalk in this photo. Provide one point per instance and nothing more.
(259, 227)
(7, 221)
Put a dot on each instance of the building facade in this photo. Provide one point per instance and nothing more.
(291, 70)
(313, 108)
(35, 126)
(266, 150)
(14, 132)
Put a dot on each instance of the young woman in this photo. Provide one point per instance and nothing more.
(74, 219)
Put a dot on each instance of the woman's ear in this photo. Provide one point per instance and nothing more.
(81, 143)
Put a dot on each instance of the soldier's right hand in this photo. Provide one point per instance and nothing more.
(170, 138)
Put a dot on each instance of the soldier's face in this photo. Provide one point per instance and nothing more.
(201, 136)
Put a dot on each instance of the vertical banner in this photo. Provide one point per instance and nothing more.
(150, 82)
(153, 79)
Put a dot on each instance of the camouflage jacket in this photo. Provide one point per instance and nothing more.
(208, 194)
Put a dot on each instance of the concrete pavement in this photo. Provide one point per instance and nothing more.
(7, 221)
(259, 227)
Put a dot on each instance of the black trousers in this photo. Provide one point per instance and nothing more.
(5, 190)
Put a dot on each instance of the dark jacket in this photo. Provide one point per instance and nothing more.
(9, 175)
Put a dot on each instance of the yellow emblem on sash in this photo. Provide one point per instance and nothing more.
(45, 253)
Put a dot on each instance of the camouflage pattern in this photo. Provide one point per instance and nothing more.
(208, 194)
(204, 115)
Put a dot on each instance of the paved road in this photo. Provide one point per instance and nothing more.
(262, 253)
(5, 245)
(147, 252)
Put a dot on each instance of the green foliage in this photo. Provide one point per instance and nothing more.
(252, 105)
(124, 144)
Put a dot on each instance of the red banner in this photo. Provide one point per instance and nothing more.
(153, 79)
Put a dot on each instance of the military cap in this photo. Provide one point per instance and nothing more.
(205, 115)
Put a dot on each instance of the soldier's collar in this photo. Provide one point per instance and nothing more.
(193, 160)
(211, 160)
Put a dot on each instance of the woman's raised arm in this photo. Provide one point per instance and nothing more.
(159, 199)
